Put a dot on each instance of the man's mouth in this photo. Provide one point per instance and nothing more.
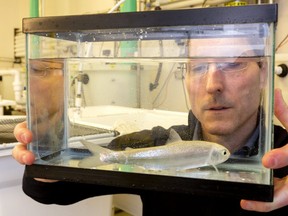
(218, 108)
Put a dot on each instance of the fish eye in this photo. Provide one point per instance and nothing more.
(224, 152)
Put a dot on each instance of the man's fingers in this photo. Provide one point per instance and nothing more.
(276, 158)
(22, 155)
(22, 134)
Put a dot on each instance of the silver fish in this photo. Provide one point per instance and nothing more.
(176, 154)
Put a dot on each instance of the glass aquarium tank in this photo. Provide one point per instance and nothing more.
(178, 101)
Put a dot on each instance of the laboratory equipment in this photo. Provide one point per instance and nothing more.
(94, 78)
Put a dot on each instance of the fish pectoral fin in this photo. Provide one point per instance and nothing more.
(216, 169)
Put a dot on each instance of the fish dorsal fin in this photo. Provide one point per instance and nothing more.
(173, 136)
(95, 148)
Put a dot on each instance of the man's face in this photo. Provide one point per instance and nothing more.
(226, 98)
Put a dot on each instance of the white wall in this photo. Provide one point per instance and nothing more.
(11, 13)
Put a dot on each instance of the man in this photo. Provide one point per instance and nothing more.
(225, 90)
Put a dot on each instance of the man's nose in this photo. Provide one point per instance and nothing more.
(214, 79)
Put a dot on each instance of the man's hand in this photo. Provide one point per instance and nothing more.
(274, 159)
(20, 151)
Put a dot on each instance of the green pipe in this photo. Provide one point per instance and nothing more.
(128, 6)
(34, 8)
(128, 48)
(34, 12)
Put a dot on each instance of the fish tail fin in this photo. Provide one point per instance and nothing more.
(95, 148)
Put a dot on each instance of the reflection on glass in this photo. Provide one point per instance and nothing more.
(46, 99)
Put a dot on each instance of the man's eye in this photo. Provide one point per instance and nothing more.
(199, 68)
(38, 72)
(233, 66)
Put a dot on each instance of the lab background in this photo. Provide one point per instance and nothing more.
(13, 101)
